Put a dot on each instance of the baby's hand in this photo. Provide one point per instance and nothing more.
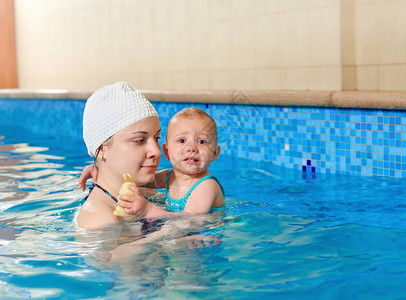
(87, 173)
(135, 205)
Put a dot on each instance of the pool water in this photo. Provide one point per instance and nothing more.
(286, 234)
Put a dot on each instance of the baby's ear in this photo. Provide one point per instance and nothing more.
(216, 153)
(165, 150)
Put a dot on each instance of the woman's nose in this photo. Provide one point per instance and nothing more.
(154, 150)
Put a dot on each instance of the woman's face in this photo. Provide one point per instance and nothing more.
(135, 150)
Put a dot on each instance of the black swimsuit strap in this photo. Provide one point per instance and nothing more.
(107, 193)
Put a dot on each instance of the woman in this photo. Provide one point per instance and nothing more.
(121, 130)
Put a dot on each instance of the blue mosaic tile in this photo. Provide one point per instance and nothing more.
(335, 140)
(342, 133)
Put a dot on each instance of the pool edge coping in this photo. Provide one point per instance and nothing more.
(339, 99)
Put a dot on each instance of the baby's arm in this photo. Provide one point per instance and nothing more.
(204, 197)
(139, 206)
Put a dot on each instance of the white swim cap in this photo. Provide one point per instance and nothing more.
(110, 109)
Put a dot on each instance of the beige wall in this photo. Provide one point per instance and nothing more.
(381, 44)
(212, 44)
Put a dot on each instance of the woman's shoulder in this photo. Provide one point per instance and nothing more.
(94, 213)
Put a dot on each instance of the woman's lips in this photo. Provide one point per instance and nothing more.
(151, 167)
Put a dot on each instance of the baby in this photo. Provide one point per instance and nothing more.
(191, 146)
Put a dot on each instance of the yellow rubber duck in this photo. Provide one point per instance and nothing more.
(124, 190)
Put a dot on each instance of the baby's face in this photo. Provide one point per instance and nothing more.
(191, 144)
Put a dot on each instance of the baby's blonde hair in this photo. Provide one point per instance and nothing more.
(194, 112)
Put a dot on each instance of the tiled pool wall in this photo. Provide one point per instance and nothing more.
(319, 140)
(363, 142)
(366, 142)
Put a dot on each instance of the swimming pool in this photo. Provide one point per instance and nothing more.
(287, 232)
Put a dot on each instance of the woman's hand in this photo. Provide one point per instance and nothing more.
(87, 173)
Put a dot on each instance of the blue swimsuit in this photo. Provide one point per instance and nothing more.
(176, 205)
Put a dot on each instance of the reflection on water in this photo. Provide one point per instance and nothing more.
(43, 254)
(281, 236)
